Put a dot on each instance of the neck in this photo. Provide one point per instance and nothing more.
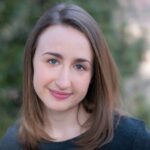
(66, 125)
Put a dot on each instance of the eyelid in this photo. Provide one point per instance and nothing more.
(84, 67)
(52, 59)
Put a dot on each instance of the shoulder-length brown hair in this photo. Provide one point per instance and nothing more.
(102, 95)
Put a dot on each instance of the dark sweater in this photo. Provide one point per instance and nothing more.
(129, 135)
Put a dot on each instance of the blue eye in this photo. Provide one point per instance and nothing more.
(80, 67)
(53, 61)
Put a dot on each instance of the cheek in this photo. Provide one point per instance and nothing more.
(43, 75)
(82, 84)
(37, 80)
(40, 76)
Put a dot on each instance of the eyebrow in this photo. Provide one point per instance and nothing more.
(61, 57)
(53, 54)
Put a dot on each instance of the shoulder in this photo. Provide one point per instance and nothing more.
(129, 125)
(10, 139)
(131, 134)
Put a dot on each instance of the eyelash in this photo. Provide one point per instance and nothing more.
(81, 67)
(53, 61)
(78, 67)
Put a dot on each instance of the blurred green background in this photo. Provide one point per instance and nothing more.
(17, 19)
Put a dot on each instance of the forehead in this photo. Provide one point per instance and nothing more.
(65, 39)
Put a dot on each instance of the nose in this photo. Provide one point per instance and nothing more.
(63, 80)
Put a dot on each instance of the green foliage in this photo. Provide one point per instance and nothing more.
(9, 112)
(140, 108)
(17, 19)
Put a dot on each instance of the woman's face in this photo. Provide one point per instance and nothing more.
(62, 67)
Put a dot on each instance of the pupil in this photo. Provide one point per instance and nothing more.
(79, 66)
(53, 61)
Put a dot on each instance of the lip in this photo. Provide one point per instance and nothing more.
(60, 95)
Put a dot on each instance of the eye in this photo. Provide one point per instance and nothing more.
(80, 67)
(53, 61)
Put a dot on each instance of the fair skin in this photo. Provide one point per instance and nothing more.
(62, 73)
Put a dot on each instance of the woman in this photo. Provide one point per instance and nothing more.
(70, 92)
